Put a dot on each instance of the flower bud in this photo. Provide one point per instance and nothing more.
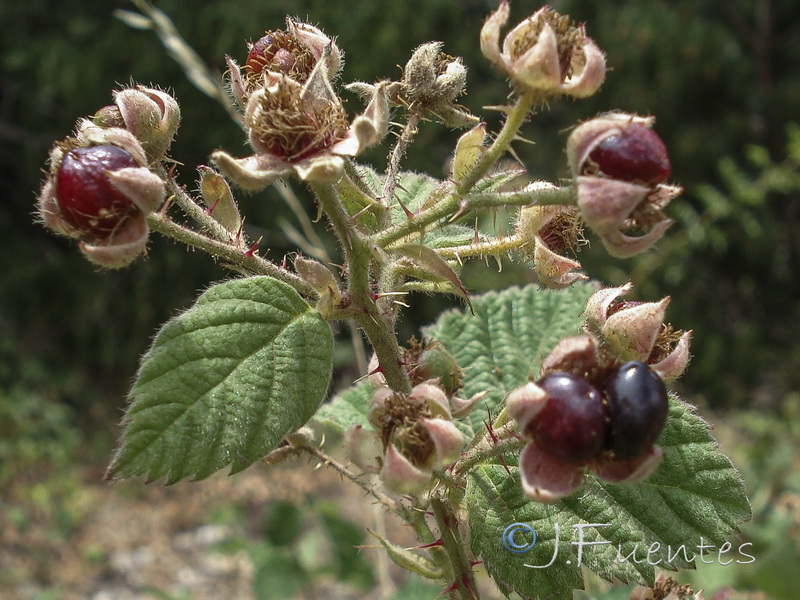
(433, 361)
(431, 82)
(364, 448)
(99, 192)
(152, 116)
(636, 331)
(546, 232)
(545, 53)
(322, 280)
(219, 201)
(469, 150)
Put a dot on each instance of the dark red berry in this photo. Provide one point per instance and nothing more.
(637, 154)
(86, 198)
(572, 425)
(280, 52)
(638, 405)
(261, 53)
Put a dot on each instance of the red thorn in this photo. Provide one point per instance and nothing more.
(452, 588)
(409, 214)
(253, 249)
(473, 563)
(438, 542)
(211, 208)
(378, 369)
(465, 582)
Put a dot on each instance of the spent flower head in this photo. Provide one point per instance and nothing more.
(547, 232)
(294, 53)
(301, 129)
(413, 435)
(637, 331)
(546, 53)
(430, 85)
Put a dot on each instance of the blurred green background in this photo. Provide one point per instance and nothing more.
(721, 76)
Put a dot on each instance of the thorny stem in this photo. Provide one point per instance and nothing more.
(390, 183)
(454, 547)
(480, 249)
(196, 212)
(245, 261)
(449, 205)
(539, 193)
(358, 255)
(514, 120)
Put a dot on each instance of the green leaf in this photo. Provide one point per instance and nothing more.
(695, 497)
(348, 407)
(283, 523)
(503, 343)
(224, 382)
(432, 264)
(277, 574)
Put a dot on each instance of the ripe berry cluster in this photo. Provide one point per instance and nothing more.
(622, 416)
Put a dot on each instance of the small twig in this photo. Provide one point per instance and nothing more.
(388, 502)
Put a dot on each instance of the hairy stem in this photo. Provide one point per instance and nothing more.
(489, 248)
(378, 328)
(196, 212)
(450, 204)
(505, 441)
(243, 260)
(539, 193)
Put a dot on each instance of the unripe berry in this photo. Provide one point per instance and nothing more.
(436, 362)
(638, 409)
(635, 154)
(572, 425)
(86, 197)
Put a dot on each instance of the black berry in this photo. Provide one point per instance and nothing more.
(637, 154)
(87, 200)
(572, 425)
(638, 409)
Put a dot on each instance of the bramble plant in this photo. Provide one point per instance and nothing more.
(543, 406)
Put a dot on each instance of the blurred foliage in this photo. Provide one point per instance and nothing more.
(304, 547)
(715, 73)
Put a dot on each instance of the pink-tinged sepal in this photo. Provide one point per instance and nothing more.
(545, 53)
(545, 478)
(631, 470)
